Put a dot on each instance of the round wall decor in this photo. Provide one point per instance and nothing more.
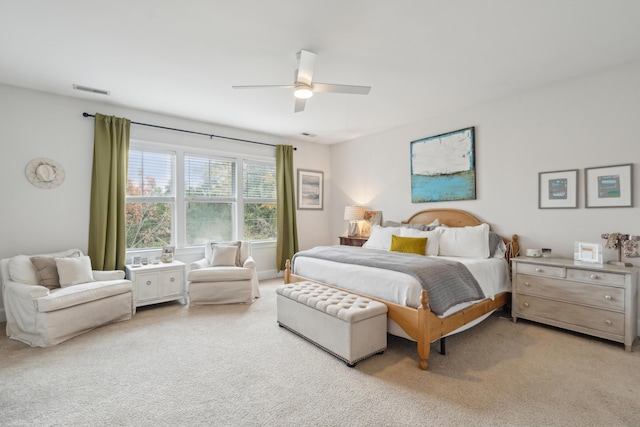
(44, 173)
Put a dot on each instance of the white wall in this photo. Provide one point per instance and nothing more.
(576, 124)
(35, 124)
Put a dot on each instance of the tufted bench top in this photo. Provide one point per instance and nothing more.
(340, 304)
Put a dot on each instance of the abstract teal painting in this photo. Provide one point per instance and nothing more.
(443, 167)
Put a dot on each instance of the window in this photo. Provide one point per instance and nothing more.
(150, 200)
(185, 199)
(259, 197)
(210, 199)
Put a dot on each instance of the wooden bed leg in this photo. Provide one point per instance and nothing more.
(424, 340)
(287, 271)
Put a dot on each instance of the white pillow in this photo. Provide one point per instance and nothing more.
(73, 271)
(380, 237)
(468, 242)
(224, 256)
(433, 238)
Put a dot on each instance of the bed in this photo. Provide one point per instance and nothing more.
(410, 312)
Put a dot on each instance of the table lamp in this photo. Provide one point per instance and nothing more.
(353, 214)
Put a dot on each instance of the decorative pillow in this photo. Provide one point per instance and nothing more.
(494, 243)
(224, 256)
(433, 236)
(210, 247)
(409, 245)
(73, 271)
(22, 270)
(380, 237)
(46, 270)
(468, 242)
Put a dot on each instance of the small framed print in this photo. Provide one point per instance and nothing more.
(609, 186)
(137, 261)
(310, 189)
(371, 218)
(558, 189)
(587, 252)
(168, 253)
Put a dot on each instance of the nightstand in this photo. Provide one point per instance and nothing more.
(353, 240)
(155, 283)
(594, 299)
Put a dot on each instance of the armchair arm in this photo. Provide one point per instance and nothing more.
(100, 276)
(203, 263)
(249, 262)
(23, 291)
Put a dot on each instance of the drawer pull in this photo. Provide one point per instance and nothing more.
(594, 277)
(173, 279)
(526, 304)
(608, 297)
(608, 322)
(538, 270)
(527, 284)
(148, 282)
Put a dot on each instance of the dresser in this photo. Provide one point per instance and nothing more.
(353, 240)
(594, 299)
(155, 283)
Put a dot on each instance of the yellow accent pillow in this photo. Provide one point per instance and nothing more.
(409, 245)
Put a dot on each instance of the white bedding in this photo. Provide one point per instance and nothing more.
(492, 274)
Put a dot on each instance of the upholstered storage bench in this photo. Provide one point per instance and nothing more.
(348, 326)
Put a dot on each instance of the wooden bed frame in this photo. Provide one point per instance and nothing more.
(422, 324)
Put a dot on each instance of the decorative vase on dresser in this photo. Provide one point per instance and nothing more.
(594, 299)
(156, 283)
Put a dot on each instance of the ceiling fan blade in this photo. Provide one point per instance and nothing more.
(328, 87)
(264, 87)
(306, 65)
(300, 103)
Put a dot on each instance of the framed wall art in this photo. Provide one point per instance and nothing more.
(609, 186)
(558, 189)
(310, 189)
(587, 252)
(371, 218)
(168, 253)
(443, 167)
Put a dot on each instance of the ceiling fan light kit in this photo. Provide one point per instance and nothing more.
(304, 88)
(303, 92)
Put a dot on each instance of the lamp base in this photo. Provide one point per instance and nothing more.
(353, 229)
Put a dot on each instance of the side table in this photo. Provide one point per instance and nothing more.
(156, 283)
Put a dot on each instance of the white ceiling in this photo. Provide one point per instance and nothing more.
(422, 58)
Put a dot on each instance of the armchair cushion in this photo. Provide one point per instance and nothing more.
(220, 274)
(46, 270)
(73, 271)
(226, 256)
(209, 249)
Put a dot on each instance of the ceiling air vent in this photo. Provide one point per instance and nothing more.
(91, 89)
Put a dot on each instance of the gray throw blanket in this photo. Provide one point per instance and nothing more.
(447, 282)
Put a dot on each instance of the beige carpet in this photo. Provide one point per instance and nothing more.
(233, 366)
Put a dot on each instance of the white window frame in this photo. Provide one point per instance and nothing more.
(178, 223)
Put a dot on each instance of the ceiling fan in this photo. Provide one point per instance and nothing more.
(304, 87)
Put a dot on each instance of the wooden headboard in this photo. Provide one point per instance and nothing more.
(459, 218)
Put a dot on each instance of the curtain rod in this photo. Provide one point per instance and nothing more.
(210, 135)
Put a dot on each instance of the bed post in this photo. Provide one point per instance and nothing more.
(424, 329)
(287, 271)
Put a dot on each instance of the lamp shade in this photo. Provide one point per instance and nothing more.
(353, 213)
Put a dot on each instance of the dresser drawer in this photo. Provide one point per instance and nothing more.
(595, 277)
(541, 270)
(592, 318)
(606, 297)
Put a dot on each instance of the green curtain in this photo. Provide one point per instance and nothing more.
(287, 243)
(107, 222)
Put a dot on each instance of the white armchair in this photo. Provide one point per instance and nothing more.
(47, 302)
(227, 274)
